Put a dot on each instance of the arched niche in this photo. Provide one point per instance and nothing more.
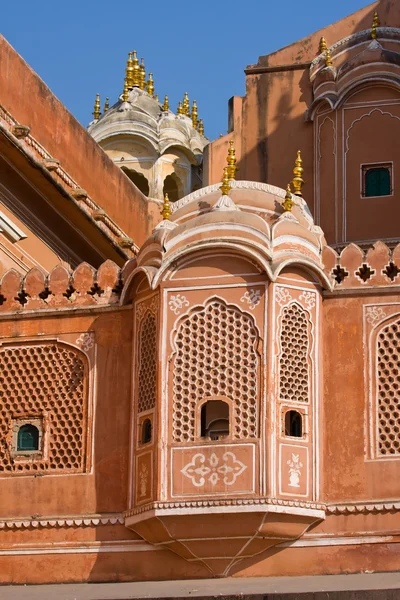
(173, 187)
(138, 179)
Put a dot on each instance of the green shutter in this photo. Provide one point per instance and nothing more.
(28, 438)
(377, 182)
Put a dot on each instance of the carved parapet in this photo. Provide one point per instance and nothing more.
(355, 268)
(86, 286)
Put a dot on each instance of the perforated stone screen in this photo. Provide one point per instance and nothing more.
(147, 363)
(50, 381)
(216, 356)
(294, 357)
(388, 384)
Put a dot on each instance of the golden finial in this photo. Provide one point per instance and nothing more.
(96, 112)
(298, 171)
(165, 106)
(156, 98)
(322, 45)
(106, 104)
(179, 109)
(288, 203)
(200, 128)
(231, 158)
(125, 93)
(195, 114)
(166, 211)
(150, 85)
(225, 187)
(328, 58)
(136, 71)
(375, 25)
(142, 75)
(129, 71)
(186, 104)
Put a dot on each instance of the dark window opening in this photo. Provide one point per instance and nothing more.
(377, 181)
(215, 420)
(146, 431)
(293, 424)
(28, 438)
(172, 187)
(138, 179)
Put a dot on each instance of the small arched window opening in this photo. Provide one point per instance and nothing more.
(377, 180)
(146, 431)
(172, 187)
(293, 424)
(28, 438)
(214, 420)
(138, 179)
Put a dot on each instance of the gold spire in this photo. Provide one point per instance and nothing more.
(200, 128)
(136, 71)
(165, 106)
(375, 25)
(179, 110)
(129, 71)
(328, 58)
(225, 187)
(195, 114)
(322, 45)
(125, 93)
(142, 75)
(96, 112)
(288, 203)
(298, 171)
(106, 104)
(186, 104)
(231, 158)
(166, 211)
(150, 85)
(156, 98)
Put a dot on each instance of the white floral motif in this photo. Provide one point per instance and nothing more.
(309, 298)
(86, 340)
(252, 297)
(213, 469)
(177, 302)
(143, 473)
(282, 295)
(294, 470)
(374, 314)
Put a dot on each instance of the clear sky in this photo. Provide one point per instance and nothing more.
(79, 47)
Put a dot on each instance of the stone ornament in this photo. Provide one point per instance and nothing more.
(213, 469)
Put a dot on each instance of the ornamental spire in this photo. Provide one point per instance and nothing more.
(200, 128)
(142, 75)
(288, 203)
(179, 110)
(186, 104)
(129, 71)
(231, 159)
(328, 58)
(165, 106)
(195, 114)
(150, 85)
(96, 112)
(106, 104)
(136, 71)
(375, 25)
(322, 45)
(166, 211)
(225, 187)
(125, 93)
(298, 171)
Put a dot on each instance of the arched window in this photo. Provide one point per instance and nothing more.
(138, 179)
(377, 181)
(214, 420)
(173, 187)
(28, 438)
(293, 424)
(146, 431)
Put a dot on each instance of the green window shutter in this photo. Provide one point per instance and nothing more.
(377, 182)
(28, 438)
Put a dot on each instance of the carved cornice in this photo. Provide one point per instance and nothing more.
(348, 509)
(63, 522)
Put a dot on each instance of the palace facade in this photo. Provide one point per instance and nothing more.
(213, 391)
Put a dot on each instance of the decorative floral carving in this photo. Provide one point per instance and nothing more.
(374, 314)
(252, 297)
(213, 469)
(143, 476)
(86, 341)
(294, 470)
(144, 306)
(309, 299)
(282, 295)
(177, 302)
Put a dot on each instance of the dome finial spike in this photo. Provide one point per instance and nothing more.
(165, 106)
(288, 202)
(225, 187)
(166, 211)
(200, 128)
(375, 24)
(150, 85)
(142, 75)
(129, 71)
(322, 45)
(179, 110)
(125, 93)
(231, 159)
(186, 105)
(96, 112)
(106, 104)
(298, 171)
(328, 58)
(195, 114)
(136, 71)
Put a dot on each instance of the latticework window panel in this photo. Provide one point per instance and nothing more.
(147, 379)
(50, 381)
(215, 356)
(294, 357)
(388, 389)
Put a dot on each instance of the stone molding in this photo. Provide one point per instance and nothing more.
(347, 509)
(68, 521)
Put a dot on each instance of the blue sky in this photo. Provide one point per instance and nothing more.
(80, 47)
